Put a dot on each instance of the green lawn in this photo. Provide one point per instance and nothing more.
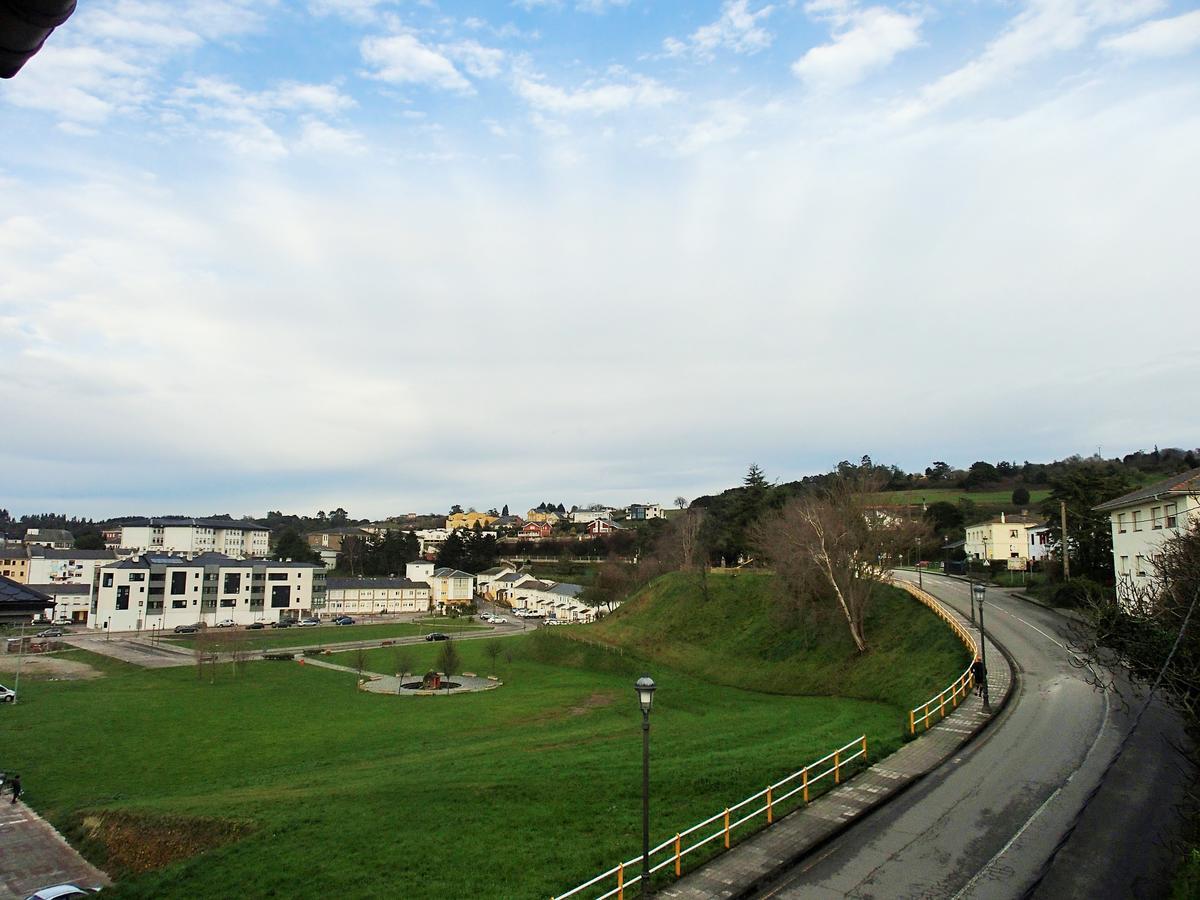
(274, 638)
(953, 495)
(296, 784)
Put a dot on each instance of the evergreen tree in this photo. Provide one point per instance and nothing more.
(504, 512)
(453, 551)
(290, 545)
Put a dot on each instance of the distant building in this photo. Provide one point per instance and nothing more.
(71, 601)
(1143, 519)
(368, 596)
(1000, 538)
(52, 566)
(14, 562)
(162, 591)
(20, 603)
(49, 537)
(469, 520)
(332, 538)
(536, 530)
(451, 587)
(225, 536)
(600, 527)
(639, 512)
(1041, 545)
(584, 516)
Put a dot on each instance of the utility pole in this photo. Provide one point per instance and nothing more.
(1066, 556)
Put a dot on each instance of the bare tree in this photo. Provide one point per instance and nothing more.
(206, 647)
(493, 649)
(235, 643)
(831, 542)
(681, 502)
(403, 659)
(360, 661)
(449, 659)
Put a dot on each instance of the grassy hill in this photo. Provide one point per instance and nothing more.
(745, 636)
(953, 495)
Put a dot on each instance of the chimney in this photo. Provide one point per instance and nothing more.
(1001, 518)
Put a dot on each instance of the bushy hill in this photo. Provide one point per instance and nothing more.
(747, 634)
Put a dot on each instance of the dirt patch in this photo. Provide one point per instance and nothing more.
(130, 843)
(48, 668)
(595, 701)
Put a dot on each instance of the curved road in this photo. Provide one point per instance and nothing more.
(985, 823)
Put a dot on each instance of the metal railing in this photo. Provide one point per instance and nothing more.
(672, 850)
(960, 688)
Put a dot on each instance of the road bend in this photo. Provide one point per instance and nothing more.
(985, 824)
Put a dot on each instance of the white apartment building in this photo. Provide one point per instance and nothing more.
(1001, 538)
(367, 596)
(71, 601)
(584, 516)
(1143, 519)
(52, 566)
(162, 591)
(224, 536)
(554, 600)
(56, 538)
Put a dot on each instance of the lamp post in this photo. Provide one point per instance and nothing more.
(920, 581)
(645, 694)
(978, 590)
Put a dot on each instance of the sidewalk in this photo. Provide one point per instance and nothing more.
(777, 848)
(33, 855)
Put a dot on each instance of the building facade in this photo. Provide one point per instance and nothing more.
(162, 591)
(14, 562)
(375, 596)
(999, 539)
(1142, 520)
(224, 536)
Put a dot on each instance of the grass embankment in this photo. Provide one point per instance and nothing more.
(953, 495)
(285, 780)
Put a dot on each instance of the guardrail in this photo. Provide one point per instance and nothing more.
(960, 688)
(673, 850)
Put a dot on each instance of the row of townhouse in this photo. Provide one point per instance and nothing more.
(1142, 520)
(424, 588)
(521, 590)
(162, 591)
(166, 535)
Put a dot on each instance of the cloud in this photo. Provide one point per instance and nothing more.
(478, 60)
(1162, 37)
(865, 40)
(595, 98)
(1041, 30)
(738, 30)
(352, 10)
(403, 59)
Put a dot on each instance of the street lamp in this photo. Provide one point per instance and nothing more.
(645, 694)
(920, 581)
(978, 590)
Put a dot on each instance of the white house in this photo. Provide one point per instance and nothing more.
(640, 511)
(485, 580)
(71, 601)
(1000, 538)
(554, 600)
(1041, 545)
(162, 591)
(1143, 519)
(366, 596)
(591, 514)
(450, 587)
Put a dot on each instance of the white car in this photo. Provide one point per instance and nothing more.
(7, 695)
(54, 892)
(498, 620)
(226, 623)
(486, 617)
(309, 622)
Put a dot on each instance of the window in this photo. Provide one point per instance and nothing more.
(179, 582)
(230, 602)
(277, 576)
(137, 576)
(1155, 521)
(281, 596)
(1141, 564)
(179, 604)
(1014, 533)
(1134, 516)
(1169, 514)
(233, 583)
(106, 579)
(123, 597)
(1121, 523)
(1124, 565)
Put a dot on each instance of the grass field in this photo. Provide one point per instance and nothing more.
(296, 784)
(953, 495)
(271, 639)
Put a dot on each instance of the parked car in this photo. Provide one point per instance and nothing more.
(256, 626)
(282, 623)
(226, 623)
(437, 636)
(343, 620)
(305, 623)
(58, 891)
(50, 632)
(485, 617)
(552, 622)
(187, 629)
(498, 620)
(7, 695)
(63, 620)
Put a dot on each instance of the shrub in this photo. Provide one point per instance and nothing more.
(1020, 496)
(1077, 593)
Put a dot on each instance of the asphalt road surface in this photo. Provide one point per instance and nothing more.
(984, 825)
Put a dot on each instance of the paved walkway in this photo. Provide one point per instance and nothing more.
(33, 855)
(770, 852)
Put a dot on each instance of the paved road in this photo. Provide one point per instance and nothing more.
(983, 825)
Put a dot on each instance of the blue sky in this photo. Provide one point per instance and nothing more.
(394, 255)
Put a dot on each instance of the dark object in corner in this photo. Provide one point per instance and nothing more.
(24, 27)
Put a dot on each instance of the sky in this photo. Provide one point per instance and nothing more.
(392, 256)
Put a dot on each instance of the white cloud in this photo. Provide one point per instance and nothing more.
(737, 29)
(1041, 30)
(478, 60)
(353, 10)
(325, 139)
(85, 85)
(595, 98)
(599, 6)
(865, 40)
(403, 59)
(1162, 37)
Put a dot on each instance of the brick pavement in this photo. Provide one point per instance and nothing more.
(33, 855)
(777, 848)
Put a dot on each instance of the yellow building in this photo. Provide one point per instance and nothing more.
(14, 563)
(1001, 538)
(549, 516)
(468, 520)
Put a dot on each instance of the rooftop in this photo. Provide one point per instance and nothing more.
(1183, 483)
(13, 594)
(335, 584)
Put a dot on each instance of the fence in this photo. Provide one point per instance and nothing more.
(960, 688)
(673, 850)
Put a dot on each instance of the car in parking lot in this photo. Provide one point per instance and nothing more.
(256, 626)
(7, 695)
(63, 620)
(485, 617)
(226, 623)
(50, 632)
(343, 620)
(309, 622)
(283, 623)
(499, 620)
(437, 636)
(188, 629)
